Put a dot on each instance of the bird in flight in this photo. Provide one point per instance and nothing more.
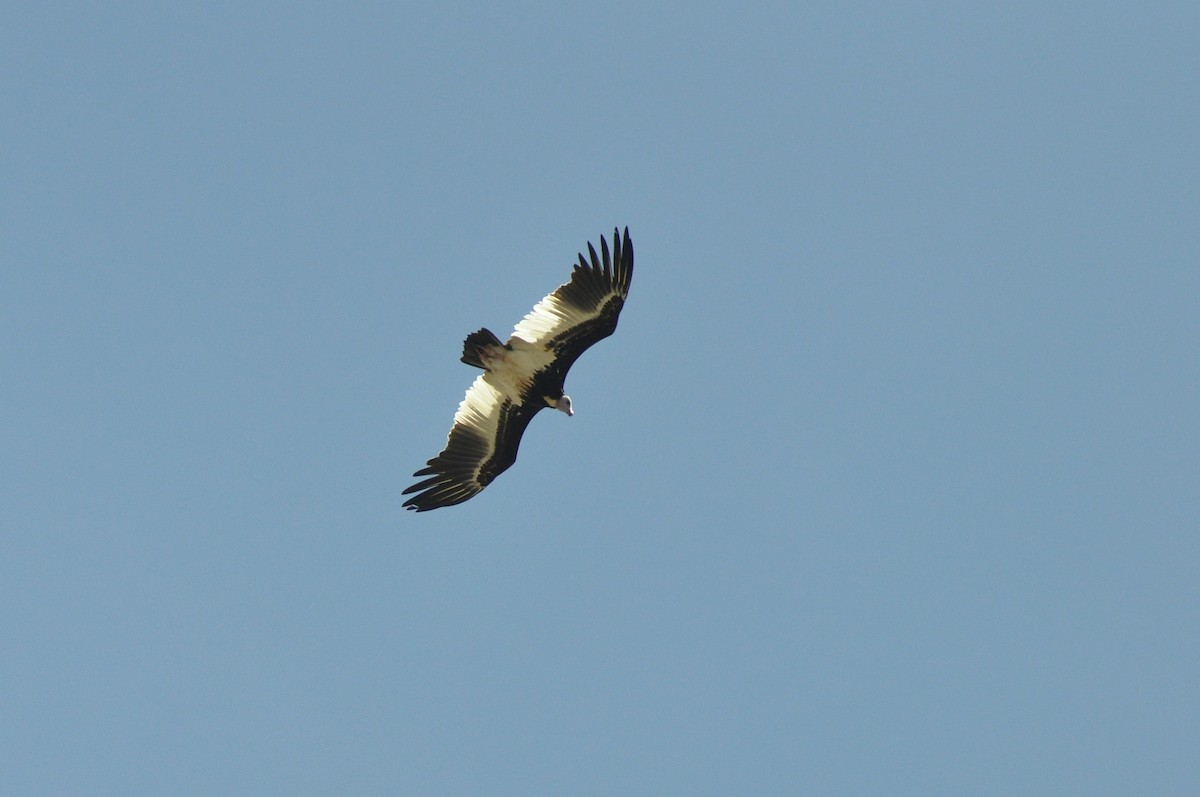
(524, 376)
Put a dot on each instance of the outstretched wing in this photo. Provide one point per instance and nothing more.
(584, 310)
(483, 444)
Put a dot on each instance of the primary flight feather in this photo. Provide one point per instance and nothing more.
(524, 376)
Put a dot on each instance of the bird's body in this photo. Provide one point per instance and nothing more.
(523, 376)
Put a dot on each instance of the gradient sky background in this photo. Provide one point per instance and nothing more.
(887, 484)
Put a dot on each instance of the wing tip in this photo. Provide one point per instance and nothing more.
(616, 267)
(624, 258)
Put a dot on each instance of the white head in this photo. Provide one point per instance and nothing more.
(564, 405)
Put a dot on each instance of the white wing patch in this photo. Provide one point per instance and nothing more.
(480, 408)
(549, 318)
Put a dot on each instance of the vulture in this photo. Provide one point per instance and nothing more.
(524, 375)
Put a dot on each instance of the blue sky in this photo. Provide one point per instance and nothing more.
(887, 483)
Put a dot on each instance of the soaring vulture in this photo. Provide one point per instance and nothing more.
(524, 375)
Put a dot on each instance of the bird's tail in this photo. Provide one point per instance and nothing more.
(476, 345)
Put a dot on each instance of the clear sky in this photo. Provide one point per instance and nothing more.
(887, 483)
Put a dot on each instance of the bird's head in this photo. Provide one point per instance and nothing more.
(564, 405)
